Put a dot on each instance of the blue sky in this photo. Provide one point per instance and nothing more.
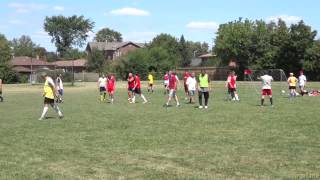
(141, 20)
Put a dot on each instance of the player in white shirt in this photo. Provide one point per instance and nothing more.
(192, 84)
(266, 88)
(59, 86)
(302, 83)
(102, 82)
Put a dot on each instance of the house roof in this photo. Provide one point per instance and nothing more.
(70, 63)
(105, 46)
(28, 61)
(21, 69)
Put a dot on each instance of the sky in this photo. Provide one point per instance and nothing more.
(142, 20)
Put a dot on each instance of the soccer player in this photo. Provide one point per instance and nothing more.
(173, 86)
(150, 87)
(130, 87)
(266, 88)
(111, 86)
(231, 85)
(192, 84)
(49, 94)
(292, 81)
(302, 83)
(1, 98)
(137, 89)
(166, 83)
(102, 82)
(59, 87)
(186, 91)
(203, 89)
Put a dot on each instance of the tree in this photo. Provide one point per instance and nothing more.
(68, 31)
(23, 46)
(109, 35)
(96, 61)
(74, 54)
(6, 72)
(184, 53)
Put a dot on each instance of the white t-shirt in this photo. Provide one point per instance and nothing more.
(266, 81)
(191, 83)
(59, 83)
(102, 82)
(302, 80)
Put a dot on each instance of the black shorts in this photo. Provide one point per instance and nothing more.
(130, 90)
(150, 84)
(230, 90)
(102, 89)
(48, 101)
(137, 90)
(292, 87)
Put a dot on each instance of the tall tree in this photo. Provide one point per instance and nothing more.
(184, 53)
(109, 35)
(6, 72)
(23, 46)
(68, 31)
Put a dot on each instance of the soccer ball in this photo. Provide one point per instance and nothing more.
(283, 91)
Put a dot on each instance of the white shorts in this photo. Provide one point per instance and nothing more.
(166, 82)
(172, 93)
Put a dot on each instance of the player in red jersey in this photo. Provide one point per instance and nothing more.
(111, 86)
(130, 87)
(166, 83)
(137, 89)
(173, 85)
(231, 85)
(185, 77)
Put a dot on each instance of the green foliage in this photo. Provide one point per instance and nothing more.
(6, 72)
(74, 54)
(109, 35)
(23, 46)
(96, 61)
(184, 53)
(261, 45)
(68, 31)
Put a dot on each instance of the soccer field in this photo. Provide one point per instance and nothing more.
(95, 140)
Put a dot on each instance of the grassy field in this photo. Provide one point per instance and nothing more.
(146, 141)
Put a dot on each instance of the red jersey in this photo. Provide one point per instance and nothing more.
(131, 82)
(138, 83)
(111, 83)
(172, 81)
(166, 77)
(232, 81)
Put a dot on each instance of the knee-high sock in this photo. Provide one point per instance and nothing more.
(236, 96)
(144, 98)
(271, 101)
(44, 112)
(56, 108)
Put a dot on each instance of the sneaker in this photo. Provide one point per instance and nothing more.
(200, 107)
(144, 102)
(61, 117)
(40, 119)
(178, 105)
(206, 107)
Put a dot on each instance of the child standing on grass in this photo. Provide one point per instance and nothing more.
(231, 85)
(292, 81)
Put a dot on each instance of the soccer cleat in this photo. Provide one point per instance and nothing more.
(144, 102)
(200, 107)
(178, 105)
(40, 119)
(61, 117)
(206, 107)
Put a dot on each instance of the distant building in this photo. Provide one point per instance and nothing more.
(78, 65)
(113, 50)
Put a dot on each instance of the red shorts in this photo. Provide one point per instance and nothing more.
(266, 92)
(111, 90)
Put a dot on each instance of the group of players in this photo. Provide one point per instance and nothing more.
(191, 83)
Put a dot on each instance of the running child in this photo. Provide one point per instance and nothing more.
(166, 83)
(137, 89)
(150, 83)
(111, 86)
(59, 87)
(173, 86)
(102, 82)
(186, 91)
(130, 87)
(231, 85)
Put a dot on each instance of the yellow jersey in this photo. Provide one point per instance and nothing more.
(292, 81)
(150, 78)
(48, 92)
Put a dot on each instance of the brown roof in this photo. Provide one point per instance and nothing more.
(105, 46)
(27, 61)
(70, 63)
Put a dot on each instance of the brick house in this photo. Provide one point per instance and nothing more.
(113, 50)
(78, 65)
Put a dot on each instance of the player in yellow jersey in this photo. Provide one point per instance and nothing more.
(292, 81)
(49, 94)
(150, 83)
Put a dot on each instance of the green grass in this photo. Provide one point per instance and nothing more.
(146, 141)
